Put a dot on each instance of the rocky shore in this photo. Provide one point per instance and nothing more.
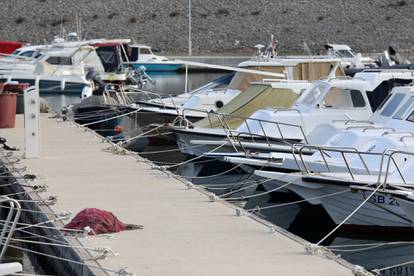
(218, 26)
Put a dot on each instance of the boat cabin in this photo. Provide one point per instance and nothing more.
(139, 52)
(332, 99)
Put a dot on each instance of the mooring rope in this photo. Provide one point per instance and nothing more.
(350, 215)
(224, 186)
(378, 270)
(245, 188)
(141, 134)
(169, 150)
(96, 249)
(264, 193)
(215, 175)
(257, 208)
(122, 271)
(195, 158)
(108, 119)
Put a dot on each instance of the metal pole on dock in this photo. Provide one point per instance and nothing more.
(31, 121)
(189, 46)
(189, 28)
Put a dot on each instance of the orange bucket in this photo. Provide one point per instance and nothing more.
(7, 110)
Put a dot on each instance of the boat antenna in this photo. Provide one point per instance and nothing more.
(308, 50)
(61, 26)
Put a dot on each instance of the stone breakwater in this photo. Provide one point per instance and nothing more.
(218, 25)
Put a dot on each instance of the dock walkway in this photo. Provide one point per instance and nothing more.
(184, 233)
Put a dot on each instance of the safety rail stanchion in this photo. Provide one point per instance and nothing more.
(10, 223)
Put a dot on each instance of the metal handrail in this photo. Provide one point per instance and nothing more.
(390, 154)
(378, 128)
(222, 120)
(323, 151)
(406, 133)
(406, 137)
(150, 96)
(353, 121)
(384, 168)
(10, 223)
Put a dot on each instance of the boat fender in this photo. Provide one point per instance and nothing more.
(86, 92)
(219, 104)
(62, 84)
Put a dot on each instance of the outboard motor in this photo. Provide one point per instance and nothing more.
(99, 84)
(390, 58)
(138, 77)
(394, 56)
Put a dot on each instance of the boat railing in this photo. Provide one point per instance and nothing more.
(347, 122)
(223, 119)
(148, 96)
(386, 166)
(233, 135)
(386, 159)
(12, 209)
(118, 94)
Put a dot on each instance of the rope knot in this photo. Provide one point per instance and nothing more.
(313, 249)
(124, 272)
(51, 200)
(240, 212)
(189, 185)
(360, 271)
(212, 197)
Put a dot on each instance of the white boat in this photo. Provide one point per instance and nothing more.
(348, 58)
(389, 127)
(137, 55)
(195, 106)
(379, 171)
(335, 99)
(62, 66)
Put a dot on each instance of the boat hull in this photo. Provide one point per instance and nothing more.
(52, 86)
(156, 67)
(380, 210)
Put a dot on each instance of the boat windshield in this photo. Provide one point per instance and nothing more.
(145, 51)
(338, 97)
(311, 96)
(393, 103)
(408, 105)
(345, 53)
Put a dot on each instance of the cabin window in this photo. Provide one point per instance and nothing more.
(343, 98)
(411, 117)
(27, 54)
(407, 106)
(311, 97)
(15, 53)
(60, 60)
(394, 102)
(345, 53)
(145, 51)
(132, 54)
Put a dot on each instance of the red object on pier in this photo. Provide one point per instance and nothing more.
(100, 221)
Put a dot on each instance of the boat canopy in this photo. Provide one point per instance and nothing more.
(257, 96)
(309, 70)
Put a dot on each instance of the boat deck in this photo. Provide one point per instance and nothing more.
(184, 233)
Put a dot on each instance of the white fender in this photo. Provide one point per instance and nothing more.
(86, 92)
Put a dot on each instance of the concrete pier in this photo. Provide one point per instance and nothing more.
(184, 233)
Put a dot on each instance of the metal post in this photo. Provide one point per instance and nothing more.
(189, 28)
(31, 121)
(186, 79)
